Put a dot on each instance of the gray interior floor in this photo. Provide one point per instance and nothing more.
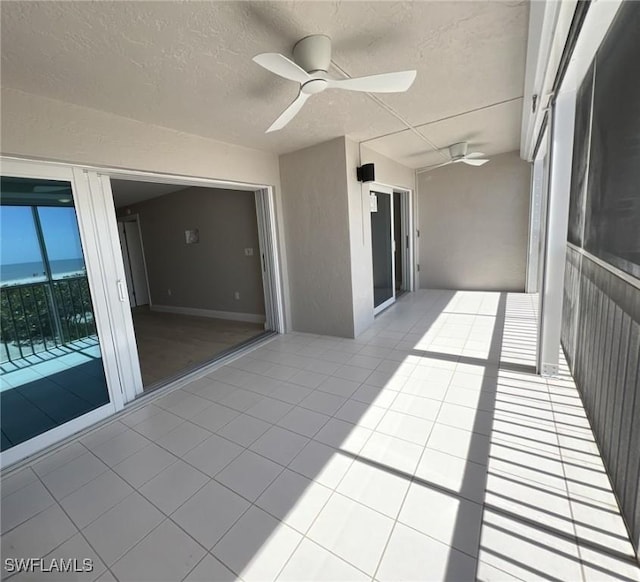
(169, 343)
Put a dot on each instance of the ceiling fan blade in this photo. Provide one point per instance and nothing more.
(289, 113)
(384, 83)
(475, 155)
(429, 168)
(474, 162)
(282, 66)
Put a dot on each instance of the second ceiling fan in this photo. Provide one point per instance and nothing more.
(458, 153)
(312, 56)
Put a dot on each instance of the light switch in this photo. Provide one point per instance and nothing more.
(248, 252)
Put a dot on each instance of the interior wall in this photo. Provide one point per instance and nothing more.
(359, 242)
(328, 229)
(207, 274)
(473, 224)
(54, 130)
(38, 127)
(387, 172)
(316, 217)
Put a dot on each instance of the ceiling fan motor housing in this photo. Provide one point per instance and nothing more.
(458, 150)
(313, 53)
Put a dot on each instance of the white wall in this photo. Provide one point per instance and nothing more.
(328, 229)
(315, 201)
(473, 225)
(328, 239)
(37, 127)
(359, 242)
(389, 171)
(205, 275)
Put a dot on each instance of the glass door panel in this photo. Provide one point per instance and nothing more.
(51, 368)
(382, 250)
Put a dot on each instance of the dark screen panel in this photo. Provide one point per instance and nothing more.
(580, 159)
(612, 227)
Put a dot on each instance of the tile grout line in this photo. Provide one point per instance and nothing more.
(334, 491)
(274, 424)
(78, 531)
(568, 492)
(166, 516)
(412, 481)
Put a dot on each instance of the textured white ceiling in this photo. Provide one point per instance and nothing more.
(187, 66)
(128, 192)
(491, 130)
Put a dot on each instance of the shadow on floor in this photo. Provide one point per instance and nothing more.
(40, 404)
(425, 449)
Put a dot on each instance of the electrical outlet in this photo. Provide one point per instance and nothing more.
(248, 252)
(236, 295)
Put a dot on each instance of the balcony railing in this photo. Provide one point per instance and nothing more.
(37, 317)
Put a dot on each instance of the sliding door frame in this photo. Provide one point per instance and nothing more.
(385, 191)
(112, 268)
(135, 218)
(267, 229)
(89, 225)
(408, 246)
(270, 260)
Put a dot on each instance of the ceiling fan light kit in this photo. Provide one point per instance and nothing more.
(312, 58)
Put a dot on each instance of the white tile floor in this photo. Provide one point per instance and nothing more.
(424, 450)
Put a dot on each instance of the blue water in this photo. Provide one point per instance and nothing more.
(23, 272)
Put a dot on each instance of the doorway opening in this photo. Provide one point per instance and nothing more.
(382, 249)
(398, 243)
(135, 269)
(194, 273)
(391, 244)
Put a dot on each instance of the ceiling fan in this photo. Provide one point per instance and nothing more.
(311, 60)
(458, 153)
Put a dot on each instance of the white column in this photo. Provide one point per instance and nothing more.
(555, 243)
(535, 209)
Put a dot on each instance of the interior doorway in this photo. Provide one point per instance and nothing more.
(398, 241)
(135, 269)
(382, 248)
(391, 244)
(193, 266)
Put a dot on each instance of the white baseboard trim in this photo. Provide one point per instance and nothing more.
(230, 315)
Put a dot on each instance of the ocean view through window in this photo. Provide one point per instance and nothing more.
(50, 361)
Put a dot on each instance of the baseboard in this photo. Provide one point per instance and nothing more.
(230, 315)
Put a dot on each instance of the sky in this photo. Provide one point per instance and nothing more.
(18, 240)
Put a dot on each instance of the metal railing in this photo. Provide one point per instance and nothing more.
(37, 317)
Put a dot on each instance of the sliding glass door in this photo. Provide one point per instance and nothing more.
(68, 354)
(54, 374)
(382, 248)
